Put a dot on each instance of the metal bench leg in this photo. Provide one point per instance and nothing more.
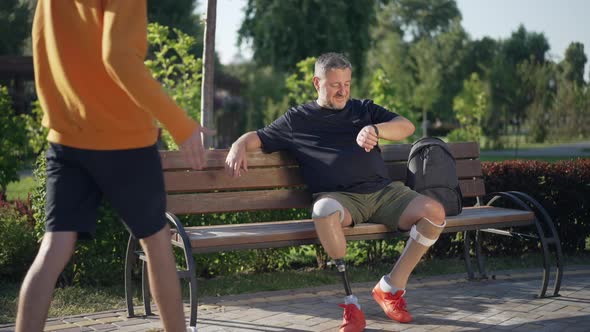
(480, 257)
(190, 272)
(545, 225)
(466, 253)
(130, 260)
(193, 298)
(145, 288)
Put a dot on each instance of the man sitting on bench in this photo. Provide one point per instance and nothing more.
(334, 138)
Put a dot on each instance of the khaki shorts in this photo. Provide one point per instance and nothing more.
(382, 207)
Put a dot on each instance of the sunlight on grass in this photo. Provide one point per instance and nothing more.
(20, 189)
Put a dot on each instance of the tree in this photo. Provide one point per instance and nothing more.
(13, 143)
(283, 33)
(510, 98)
(427, 70)
(15, 26)
(416, 68)
(523, 45)
(425, 18)
(178, 14)
(176, 68)
(470, 106)
(539, 81)
(574, 63)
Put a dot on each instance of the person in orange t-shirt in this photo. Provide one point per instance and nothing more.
(100, 104)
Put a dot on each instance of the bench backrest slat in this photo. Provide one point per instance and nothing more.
(234, 201)
(274, 180)
(261, 178)
(172, 160)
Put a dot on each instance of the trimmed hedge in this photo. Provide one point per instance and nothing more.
(563, 188)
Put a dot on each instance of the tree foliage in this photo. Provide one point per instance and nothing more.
(284, 32)
(425, 73)
(510, 97)
(15, 26)
(470, 106)
(178, 14)
(174, 65)
(574, 63)
(13, 144)
(425, 18)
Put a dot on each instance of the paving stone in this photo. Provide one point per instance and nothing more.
(443, 303)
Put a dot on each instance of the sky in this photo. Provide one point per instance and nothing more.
(560, 21)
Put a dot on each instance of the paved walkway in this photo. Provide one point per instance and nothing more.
(443, 303)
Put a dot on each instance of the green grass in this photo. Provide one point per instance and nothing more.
(78, 300)
(550, 159)
(20, 189)
(510, 142)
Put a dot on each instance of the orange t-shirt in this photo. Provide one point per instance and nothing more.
(95, 91)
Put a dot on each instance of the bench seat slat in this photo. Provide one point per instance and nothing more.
(391, 152)
(260, 235)
(260, 178)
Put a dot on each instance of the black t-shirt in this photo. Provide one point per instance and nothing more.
(324, 143)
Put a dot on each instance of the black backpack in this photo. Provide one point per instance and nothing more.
(432, 171)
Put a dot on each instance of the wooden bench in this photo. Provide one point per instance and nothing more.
(274, 182)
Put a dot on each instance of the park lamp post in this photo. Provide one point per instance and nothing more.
(207, 84)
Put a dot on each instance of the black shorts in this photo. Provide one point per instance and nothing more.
(131, 180)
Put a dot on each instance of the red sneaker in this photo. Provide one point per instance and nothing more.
(354, 319)
(394, 305)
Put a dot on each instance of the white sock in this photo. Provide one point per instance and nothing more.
(387, 287)
(351, 299)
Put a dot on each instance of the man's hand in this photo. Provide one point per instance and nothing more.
(193, 150)
(236, 160)
(367, 138)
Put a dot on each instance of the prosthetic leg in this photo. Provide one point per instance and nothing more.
(328, 215)
(342, 270)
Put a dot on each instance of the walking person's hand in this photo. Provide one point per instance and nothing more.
(193, 150)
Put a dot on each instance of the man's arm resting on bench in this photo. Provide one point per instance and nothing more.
(236, 161)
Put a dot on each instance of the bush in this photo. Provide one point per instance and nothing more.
(17, 236)
(13, 144)
(562, 188)
(98, 261)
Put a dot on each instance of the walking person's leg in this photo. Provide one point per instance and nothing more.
(164, 283)
(132, 181)
(37, 288)
(71, 202)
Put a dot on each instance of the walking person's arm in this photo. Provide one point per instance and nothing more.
(124, 45)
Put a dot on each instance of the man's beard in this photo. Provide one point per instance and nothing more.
(332, 106)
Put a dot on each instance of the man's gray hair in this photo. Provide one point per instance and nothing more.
(329, 61)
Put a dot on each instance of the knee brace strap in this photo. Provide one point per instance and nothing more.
(327, 206)
(433, 231)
